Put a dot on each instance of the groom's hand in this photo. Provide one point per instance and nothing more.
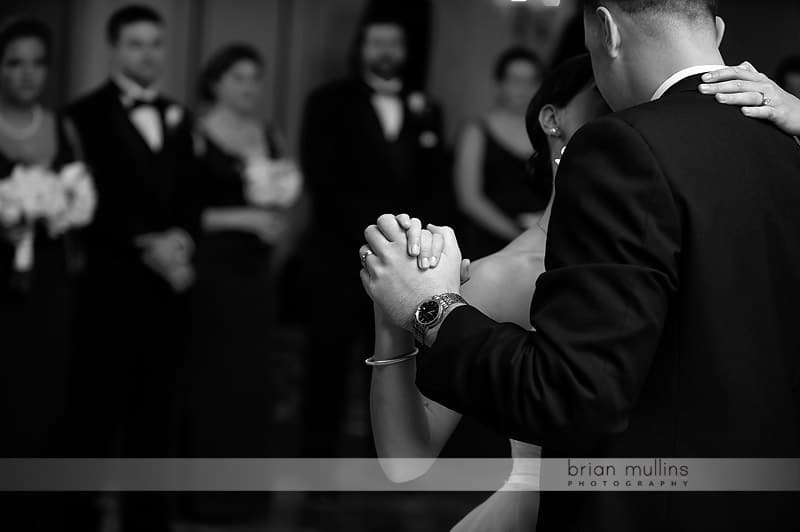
(392, 277)
(426, 245)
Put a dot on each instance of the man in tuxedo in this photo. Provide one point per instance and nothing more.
(369, 142)
(139, 146)
(666, 323)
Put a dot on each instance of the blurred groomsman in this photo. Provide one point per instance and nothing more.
(140, 148)
(369, 143)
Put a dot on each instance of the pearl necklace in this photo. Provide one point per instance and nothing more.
(27, 132)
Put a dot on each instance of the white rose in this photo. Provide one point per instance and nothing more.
(174, 116)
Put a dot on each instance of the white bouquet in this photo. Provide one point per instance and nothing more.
(32, 194)
(275, 183)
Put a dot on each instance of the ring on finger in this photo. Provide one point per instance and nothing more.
(366, 254)
(765, 100)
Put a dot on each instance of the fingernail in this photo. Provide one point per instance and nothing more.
(425, 263)
(708, 77)
(722, 97)
(415, 250)
(704, 88)
(434, 261)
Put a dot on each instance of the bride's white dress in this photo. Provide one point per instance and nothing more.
(515, 506)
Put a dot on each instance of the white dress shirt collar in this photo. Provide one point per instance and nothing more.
(389, 87)
(132, 91)
(682, 75)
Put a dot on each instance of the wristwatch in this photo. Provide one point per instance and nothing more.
(431, 313)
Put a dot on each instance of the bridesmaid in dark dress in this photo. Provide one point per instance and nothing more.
(35, 304)
(229, 397)
(494, 189)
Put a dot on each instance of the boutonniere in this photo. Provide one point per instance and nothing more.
(417, 102)
(174, 116)
(429, 139)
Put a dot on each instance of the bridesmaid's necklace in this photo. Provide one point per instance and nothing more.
(23, 133)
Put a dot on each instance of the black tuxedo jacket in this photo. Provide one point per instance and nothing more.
(666, 323)
(139, 191)
(355, 174)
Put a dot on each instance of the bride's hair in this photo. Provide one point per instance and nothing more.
(559, 88)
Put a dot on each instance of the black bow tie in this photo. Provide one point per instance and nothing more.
(132, 105)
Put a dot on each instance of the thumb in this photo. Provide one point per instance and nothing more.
(447, 234)
(465, 273)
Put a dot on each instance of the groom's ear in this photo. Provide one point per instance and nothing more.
(612, 41)
(720, 30)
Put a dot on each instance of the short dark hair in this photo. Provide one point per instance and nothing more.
(220, 63)
(512, 55)
(25, 28)
(129, 15)
(690, 7)
(790, 65)
(559, 88)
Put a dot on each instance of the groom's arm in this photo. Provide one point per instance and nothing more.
(599, 311)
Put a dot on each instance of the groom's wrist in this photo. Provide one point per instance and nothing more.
(433, 334)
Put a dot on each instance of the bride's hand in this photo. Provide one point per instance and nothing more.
(759, 96)
(426, 246)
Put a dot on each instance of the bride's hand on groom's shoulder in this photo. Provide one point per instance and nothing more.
(758, 95)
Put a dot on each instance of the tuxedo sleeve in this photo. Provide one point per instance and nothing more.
(598, 312)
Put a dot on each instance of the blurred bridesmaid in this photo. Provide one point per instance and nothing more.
(250, 187)
(35, 299)
(493, 187)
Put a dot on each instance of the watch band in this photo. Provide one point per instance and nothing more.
(445, 301)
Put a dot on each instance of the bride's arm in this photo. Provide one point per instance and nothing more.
(404, 423)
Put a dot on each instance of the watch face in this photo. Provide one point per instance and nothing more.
(428, 312)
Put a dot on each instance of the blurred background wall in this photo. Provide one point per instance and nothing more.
(307, 42)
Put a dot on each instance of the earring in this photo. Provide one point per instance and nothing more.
(555, 132)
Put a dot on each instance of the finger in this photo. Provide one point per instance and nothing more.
(365, 280)
(413, 236)
(405, 221)
(425, 243)
(752, 99)
(376, 240)
(734, 87)
(763, 112)
(390, 228)
(364, 253)
(731, 73)
(449, 236)
(370, 263)
(436, 250)
(465, 271)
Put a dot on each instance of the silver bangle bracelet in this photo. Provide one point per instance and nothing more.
(379, 363)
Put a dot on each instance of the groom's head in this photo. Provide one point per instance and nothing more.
(633, 43)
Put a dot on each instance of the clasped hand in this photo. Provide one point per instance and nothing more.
(404, 264)
(168, 254)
